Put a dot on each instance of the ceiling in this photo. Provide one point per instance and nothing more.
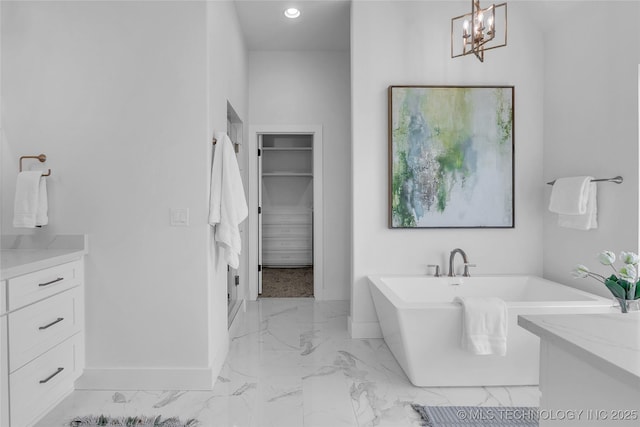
(325, 24)
(322, 25)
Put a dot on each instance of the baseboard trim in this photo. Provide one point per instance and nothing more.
(145, 379)
(364, 329)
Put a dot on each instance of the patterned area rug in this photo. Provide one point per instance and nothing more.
(157, 421)
(287, 282)
(477, 416)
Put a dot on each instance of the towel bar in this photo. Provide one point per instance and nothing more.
(617, 179)
(41, 157)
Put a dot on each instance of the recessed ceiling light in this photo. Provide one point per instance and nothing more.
(292, 13)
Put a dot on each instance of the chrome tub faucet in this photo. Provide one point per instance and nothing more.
(452, 256)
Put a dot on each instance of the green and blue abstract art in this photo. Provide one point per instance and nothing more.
(451, 157)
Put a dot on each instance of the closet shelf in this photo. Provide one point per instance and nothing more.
(267, 174)
(287, 148)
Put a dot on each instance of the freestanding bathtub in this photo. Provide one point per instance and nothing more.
(422, 325)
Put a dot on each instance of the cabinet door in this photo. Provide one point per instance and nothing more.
(260, 148)
(3, 297)
(42, 383)
(4, 362)
(4, 374)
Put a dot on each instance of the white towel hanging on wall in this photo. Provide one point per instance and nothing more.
(30, 203)
(569, 196)
(574, 199)
(227, 203)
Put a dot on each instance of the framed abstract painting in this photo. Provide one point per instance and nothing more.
(451, 151)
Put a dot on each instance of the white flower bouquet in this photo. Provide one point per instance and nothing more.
(623, 284)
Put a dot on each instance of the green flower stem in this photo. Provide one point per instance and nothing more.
(596, 276)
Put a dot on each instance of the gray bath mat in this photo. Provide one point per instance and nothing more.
(157, 421)
(477, 416)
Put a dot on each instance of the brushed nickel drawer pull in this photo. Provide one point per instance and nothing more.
(51, 282)
(58, 320)
(46, 380)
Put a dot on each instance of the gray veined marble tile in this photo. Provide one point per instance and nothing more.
(327, 401)
(280, 340)
(243, 388)
(293, 393)
(119, 398)
(291, 363)
(171, 397)
(308, 342)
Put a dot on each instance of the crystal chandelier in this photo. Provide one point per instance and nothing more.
(480, 30)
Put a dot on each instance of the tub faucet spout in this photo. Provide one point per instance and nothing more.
(452, 256)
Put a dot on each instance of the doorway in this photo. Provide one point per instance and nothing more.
(287, 224)
(286, 201)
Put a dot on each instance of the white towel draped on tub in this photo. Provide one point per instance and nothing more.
(484, 325)
(228, 206)
(574, 199)
(30, 203)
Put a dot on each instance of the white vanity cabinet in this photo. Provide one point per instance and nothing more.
(3, 297)
(4, 363)
(589, 368)
(45, 322)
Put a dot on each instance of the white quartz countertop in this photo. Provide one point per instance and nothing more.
(15, 262)
(610, 342)
(25, 254)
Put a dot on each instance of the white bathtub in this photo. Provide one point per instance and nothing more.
(422, 325)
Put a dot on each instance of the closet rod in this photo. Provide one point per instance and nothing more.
(617, 179)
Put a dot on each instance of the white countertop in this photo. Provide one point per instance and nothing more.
(25, 254)
(610, 342)
(15, 262)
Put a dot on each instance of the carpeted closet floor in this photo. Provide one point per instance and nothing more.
(287, 282)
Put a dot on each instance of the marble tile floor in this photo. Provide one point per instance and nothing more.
(291, 363)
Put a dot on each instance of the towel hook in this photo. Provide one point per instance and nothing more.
(41, 157)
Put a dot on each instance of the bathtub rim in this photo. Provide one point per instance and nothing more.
(377, 280)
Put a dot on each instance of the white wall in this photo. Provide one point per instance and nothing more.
(407, 43)
(591, 128)
(311, 88)
(228, 82)
(117, 94)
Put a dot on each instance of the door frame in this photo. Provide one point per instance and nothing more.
(318, 207)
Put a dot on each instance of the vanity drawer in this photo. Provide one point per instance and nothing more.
(37, 328)
(44, 382)
(29, 288)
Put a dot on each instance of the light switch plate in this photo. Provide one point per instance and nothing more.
(180, 217)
